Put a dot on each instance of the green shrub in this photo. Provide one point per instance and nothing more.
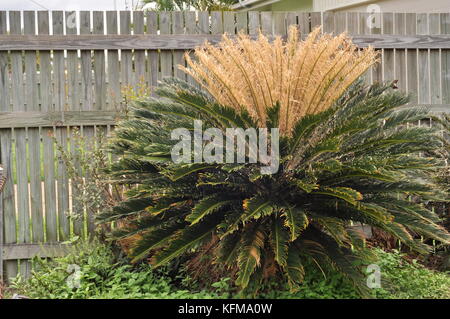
(404, 279)
(401, 278)
(316, 285)
(102, 275)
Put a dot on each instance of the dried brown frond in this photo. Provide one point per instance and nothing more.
(204, 269)
(305, 77)
(2, 290)
(127, 243)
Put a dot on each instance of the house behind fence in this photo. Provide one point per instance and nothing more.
(63, 71)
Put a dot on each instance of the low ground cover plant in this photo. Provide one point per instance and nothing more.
(92, 270)
(105, 275)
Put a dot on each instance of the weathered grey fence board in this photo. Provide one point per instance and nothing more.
(400, 55)
(178, 28)
(165, 57)
(60, 133)
(8, 201)
(188, 42)
(113, 95)
(191, 28)
(153, 65)
(47, 92)
(126, 65)
(1, 240)
(139, 55)
(445, 64)
(411, 59)
(435, 63)
(20, 145)
(388, 54)
(423, 62)
(86, 65)
(9, 215)
(33, 134)
(28, 251)
(99, 64)
(73, 77)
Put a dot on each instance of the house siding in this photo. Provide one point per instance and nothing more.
(358, 5)
(322, 5)
(385, 5)
(293, 5)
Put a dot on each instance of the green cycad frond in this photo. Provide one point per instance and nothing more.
(254, 208)
(345, 193)
(125, 209)
(296, 220)
(205, 207)
(401, 233)
(229, 249)
(306, 125)
(294, 268)
(154, 239)
(336, 228)
(189, 96)
(279, 241)
(250, 253)
(180, 171)
(190, 238)
(346, 261)
(141, 225)
(154, 109)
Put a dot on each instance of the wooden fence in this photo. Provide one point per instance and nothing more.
(65, 70)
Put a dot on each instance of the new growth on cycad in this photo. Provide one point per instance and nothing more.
(305, 77)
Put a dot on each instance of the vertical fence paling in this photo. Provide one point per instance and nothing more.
(73, 101)
(9, 212)
(445, 66)
(60, 133)
(46, 94)
(3, 99)
(38, 193)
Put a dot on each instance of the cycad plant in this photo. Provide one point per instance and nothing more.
(349, 158)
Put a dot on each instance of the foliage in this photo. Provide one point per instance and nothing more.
(443, 178)
(401, 279)
(130, 93)
(85, 163)
(102, 276)
(2, 290)
(201, 5)
(404, 279)
(444, 175)
(304, 77)
(355, 160)
(326, 284)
